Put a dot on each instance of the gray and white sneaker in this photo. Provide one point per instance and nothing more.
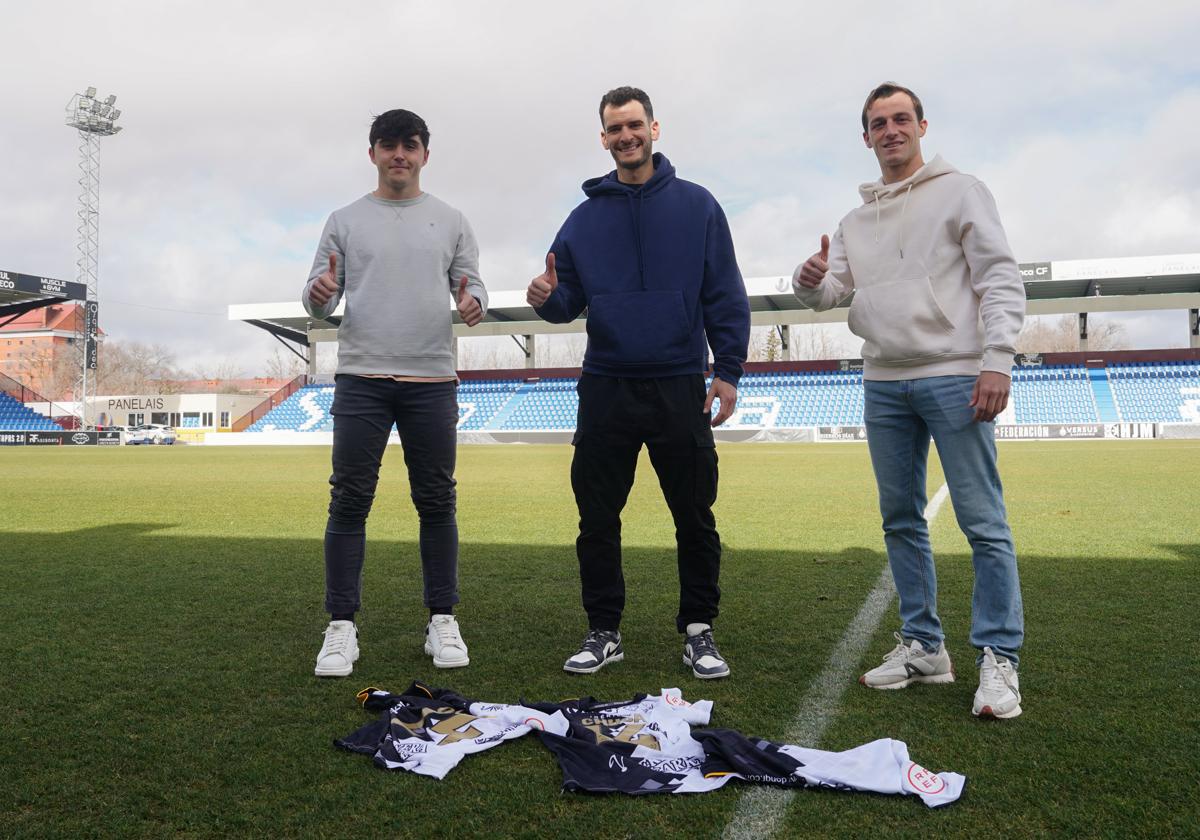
(999, 692)
(700, 652)
(598, 649)
(910, 663)
(339, 652)
(444, 642)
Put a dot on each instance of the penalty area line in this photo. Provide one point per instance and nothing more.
(760, 809)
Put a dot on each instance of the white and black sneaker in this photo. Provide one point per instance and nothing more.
(700, 652)
(598, 649)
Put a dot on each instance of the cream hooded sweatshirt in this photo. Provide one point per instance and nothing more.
(936, 289)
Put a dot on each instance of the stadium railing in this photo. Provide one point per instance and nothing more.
(262, 409)
(24, 394)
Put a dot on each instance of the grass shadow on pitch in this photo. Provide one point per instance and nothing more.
(140, 603)
(165, 678)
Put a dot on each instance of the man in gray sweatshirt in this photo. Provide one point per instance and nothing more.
(395, 256)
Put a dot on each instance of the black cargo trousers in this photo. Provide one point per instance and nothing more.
(617, 415)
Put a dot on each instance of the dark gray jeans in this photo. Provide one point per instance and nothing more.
(426, 416)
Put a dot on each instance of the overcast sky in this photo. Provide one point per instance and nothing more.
(245, 124)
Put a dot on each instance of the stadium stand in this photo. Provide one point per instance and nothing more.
(482, 401)
(306, 410)
(784, 400)
(15, 416)
(547, 404)
(1157, 392)
(1055, 393)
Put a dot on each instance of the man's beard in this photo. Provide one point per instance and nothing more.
(633, 164)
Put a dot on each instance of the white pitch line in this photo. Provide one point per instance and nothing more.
(761, 808)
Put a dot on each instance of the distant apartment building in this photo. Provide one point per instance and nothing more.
(37, 343)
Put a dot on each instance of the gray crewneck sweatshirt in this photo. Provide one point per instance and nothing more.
(399, 267)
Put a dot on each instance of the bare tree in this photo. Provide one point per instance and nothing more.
(49, 371)
(494, 353)
(562, 350)
(773, 348)
(765, 345)
(815, 341)
(284, 365)
(1045, 334)
(327, 356)
(756, 351)
(133, 367)
(223, 374)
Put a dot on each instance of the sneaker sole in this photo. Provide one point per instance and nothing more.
(702, 676)
(445, 663)
(337, 672)
(575, 669)
(935, 679)
(986, 712)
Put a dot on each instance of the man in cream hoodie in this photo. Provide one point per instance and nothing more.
(938, 301)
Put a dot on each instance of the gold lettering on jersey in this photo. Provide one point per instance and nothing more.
(627, 730)
(451, 725)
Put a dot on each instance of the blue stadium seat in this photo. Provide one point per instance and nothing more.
(16, 416)
(1052, 394)
(1155, 392)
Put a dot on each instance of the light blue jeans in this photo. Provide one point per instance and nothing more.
(900, 418)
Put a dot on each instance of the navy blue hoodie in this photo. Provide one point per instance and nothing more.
(655, 269)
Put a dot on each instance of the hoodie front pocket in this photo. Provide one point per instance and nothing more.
(900, 321)
(638, 328)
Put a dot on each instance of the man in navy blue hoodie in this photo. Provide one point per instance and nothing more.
(650, 257)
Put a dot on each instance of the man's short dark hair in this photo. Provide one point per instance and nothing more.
(397, 125)
(888, 89)
(617, 97)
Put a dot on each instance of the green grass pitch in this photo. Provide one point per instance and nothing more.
(161, 610)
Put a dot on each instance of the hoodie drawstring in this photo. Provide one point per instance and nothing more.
(641, 239)
(636, 219)
(903, 208)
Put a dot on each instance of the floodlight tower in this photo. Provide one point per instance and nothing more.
(93, 118)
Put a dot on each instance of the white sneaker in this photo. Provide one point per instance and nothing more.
(339, 651)
(999, 692)
(908, 664)
(445, 643)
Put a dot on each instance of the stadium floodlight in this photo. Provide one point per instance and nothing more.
(93, 120)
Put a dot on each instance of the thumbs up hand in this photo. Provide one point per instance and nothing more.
(543, 285)
(815, 267)
(468, 307)
(326, 285)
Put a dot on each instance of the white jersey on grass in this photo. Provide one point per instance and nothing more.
(639, 746)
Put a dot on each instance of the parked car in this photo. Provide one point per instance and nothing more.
(150, 433)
